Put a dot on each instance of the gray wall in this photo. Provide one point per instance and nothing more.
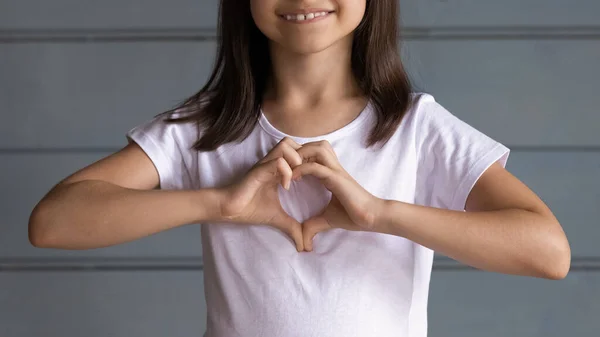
(75, 75)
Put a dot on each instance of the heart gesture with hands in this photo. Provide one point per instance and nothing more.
(255, 199)
(351, 206)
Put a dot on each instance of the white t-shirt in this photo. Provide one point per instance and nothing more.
(353, 284)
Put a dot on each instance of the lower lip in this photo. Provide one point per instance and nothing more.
(318, 18)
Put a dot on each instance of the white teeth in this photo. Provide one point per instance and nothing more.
(302, 17)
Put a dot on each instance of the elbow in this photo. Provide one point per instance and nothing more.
(561, 267)
(38, 240)
(555, 272)
(558, 271)
(557, 263)
(39, 235)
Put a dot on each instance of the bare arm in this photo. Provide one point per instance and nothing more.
(506, 229)
(114, 201)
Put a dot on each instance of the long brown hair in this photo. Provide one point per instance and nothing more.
(227, 108)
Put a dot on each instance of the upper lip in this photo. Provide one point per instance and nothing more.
(306, 11)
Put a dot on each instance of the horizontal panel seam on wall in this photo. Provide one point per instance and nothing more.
(188, 263)
(107, 150)
(187, 34)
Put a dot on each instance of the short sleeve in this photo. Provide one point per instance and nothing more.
(168, 145)
(452, 155)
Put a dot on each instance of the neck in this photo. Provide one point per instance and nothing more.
(307, 80)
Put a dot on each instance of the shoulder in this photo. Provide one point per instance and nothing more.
(165, 131)
(433, 121)
(169, 146)
(424, 106)
(451, 154)
(441, 134)
(425, 118)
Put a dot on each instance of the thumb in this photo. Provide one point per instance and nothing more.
(311, 227)
(291, 227)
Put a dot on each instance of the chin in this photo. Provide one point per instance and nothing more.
(306, 46)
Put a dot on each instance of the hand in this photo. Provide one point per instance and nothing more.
(351, 206)
(255, 198)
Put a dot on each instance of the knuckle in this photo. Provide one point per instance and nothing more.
(287, 141)
(325, 143)
(282, 165)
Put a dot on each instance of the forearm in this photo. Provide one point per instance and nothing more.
(93, 214)
(512, 241)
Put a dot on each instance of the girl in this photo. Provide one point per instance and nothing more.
(322, 182)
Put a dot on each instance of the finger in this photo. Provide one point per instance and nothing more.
(316, 169)
(312, 227)
(322, 143)
(286, 148)
(331, 179)
(320, 152)
(273, 169)
(291, 227)
(285, 171)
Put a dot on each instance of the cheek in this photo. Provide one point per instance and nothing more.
(261, 11)
(352, 12)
